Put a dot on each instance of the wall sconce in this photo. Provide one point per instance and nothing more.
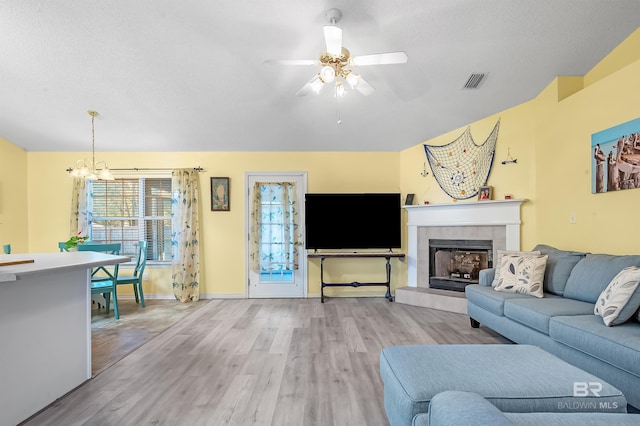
(424, 170)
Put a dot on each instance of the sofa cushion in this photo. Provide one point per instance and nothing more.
(461, 408)
(522, 274)
(486, 276)
(593, 273)
(559, 266)
(498, 261)
(489, 299)
(572, 419)
(620, 300)
(618, 346)
(536, 313)
(451, 408)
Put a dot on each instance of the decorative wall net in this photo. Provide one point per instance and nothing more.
(461, 167)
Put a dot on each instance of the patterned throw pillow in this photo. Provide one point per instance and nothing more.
(621, 299)
(522, 274)
(498, 261)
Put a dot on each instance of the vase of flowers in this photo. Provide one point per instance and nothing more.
(75, 240)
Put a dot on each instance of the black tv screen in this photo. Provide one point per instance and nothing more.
(353, 221)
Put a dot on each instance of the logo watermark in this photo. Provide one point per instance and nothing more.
(585, 390)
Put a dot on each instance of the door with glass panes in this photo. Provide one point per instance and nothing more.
(276, 261)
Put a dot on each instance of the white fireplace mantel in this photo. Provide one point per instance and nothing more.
(474, 214)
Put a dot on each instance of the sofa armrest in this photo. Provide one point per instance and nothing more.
(486, 277)
(464, 408)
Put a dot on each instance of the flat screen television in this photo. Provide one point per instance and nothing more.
(353, 221)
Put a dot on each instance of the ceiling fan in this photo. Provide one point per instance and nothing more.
(336, 62)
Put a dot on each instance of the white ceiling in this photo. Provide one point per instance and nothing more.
(188, 75)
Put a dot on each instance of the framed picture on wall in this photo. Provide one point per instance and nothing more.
(220, 194)
(485, 193)
(615, 161)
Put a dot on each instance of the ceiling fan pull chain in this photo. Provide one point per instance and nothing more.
(338, 108)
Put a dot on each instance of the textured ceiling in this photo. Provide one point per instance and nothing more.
(189, 75)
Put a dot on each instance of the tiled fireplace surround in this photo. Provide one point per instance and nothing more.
(498, 221)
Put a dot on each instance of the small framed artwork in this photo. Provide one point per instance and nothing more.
(485, 193)
(220, 194)
(409, 200)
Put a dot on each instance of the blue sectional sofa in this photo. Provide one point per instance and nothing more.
(563, 321)
(454, 408)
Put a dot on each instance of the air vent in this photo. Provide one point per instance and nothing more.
(474, 81)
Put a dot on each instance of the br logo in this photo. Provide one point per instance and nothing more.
(583, 389)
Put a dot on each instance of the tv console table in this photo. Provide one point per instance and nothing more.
(325, 256)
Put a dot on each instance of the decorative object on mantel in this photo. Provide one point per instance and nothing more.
(485, 193)
(89, 169)
(509, 159)
(409, 200)
(461, 167)
(616, 150)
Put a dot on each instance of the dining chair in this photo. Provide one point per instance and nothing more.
(138, 272)
(104, 278)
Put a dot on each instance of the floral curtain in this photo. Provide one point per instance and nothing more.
(81, 207)
(185, 266)
(273, 233)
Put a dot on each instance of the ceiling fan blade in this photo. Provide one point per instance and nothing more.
(291, 61)
(333, 39)
(381, 59)
(364, 87)
(313, 86)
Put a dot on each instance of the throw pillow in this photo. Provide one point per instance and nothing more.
(522, 274)
(498, 261)
(621, 298)
(559, 266)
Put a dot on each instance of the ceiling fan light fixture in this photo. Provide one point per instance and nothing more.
(340, 92)
(316, 84)
(327, 74)
(353, 79)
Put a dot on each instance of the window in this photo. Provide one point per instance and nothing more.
(130, 210)
(277, 246)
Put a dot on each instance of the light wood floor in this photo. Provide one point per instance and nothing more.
(112, 340)
(267, 362)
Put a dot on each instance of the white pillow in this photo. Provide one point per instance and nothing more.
(522, 274)
(498, 261)
(621, 299)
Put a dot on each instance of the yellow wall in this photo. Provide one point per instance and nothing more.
(625, 54)
(606, 222)
(223, 234)
(13, 197)
(551, 138)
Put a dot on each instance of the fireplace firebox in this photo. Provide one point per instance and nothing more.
(454, 264)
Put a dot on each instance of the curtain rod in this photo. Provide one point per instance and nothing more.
(136, 169)
(197, 169)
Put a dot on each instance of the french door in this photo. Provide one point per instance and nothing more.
(276, 259)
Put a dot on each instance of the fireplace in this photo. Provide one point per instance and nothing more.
(454, 264)
(495, 220)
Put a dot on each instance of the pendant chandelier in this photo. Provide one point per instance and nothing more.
(89, 169)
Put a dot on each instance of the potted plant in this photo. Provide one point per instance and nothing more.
(75, 240)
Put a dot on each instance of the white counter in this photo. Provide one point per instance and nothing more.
(45, 329)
